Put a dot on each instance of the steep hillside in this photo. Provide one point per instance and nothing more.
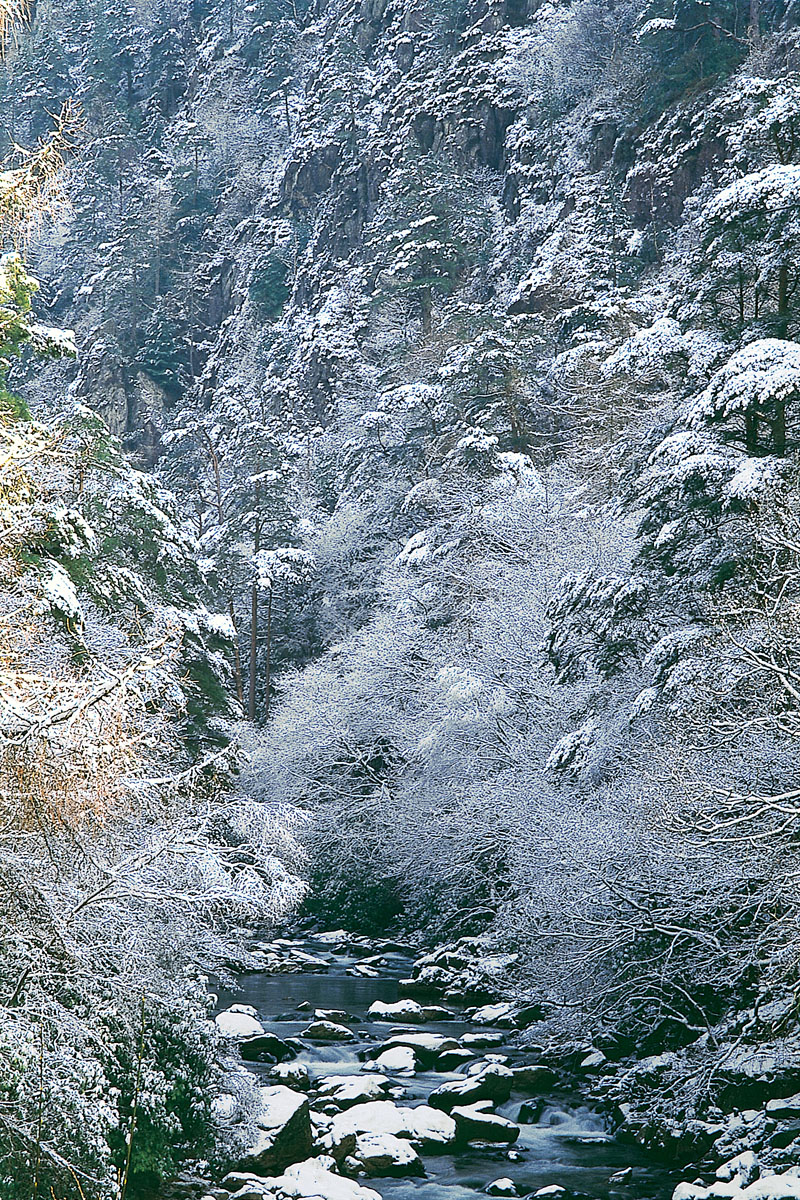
(463, 334)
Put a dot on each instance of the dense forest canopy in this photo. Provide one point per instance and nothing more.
(399, 468)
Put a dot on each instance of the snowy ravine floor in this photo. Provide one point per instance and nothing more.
(550, 1141)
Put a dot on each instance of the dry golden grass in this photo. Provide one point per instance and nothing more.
(13, 13)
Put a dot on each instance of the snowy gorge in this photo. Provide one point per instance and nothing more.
(400, 450)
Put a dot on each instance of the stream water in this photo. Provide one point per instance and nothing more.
(568, 1144)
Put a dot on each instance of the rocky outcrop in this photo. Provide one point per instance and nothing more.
(283, 1136)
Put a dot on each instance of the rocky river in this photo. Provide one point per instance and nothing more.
(374, 1086)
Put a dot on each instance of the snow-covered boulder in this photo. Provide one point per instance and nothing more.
(383, 1154)
(782, 1110)
(283, 1130)
(426, 1046)
(421, 1125)
(451, 1060)
(435, 1012)
(593, 1061)
(266, 1047)
(773, 1187)
(294, 1075)
(430, 1128)
(328, 1031)
(403, 1010)
(313, 1179)
(503, 1015)
(478, 1122)
(400, 1060)
(345, 1091)
(338, 938)
(493, 1083)
(501, 1187)
(743, 1169)
(482, 1041)
(239, 1021)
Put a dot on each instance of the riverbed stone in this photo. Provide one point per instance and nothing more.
(476, 1122)
(482, 1041)
(345, 1091)
(283, 1131)
(435, 1012)
(493, 1083)
(384, 1154)
(422, 1124)
(404, 1010)
(327, 1031)
(363, 970)
(452, 1059)
(314, 1179)
(501, 1187)
(293, 1074)
(533, 1079)
(266, 1047)
(426, 1046)
(239, 1021)
(502, 1015)
(400, 1060)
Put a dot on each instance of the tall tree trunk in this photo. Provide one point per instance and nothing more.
(251, 682)
(751, 432)
(237, 654)
(426, 304)
(269, 654)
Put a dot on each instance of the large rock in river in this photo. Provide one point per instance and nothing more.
(426, 1046)
(283, 1131)
(477, 1122)
(239, 1021)
(328, 1031)
(383, 1154)
(492, 1083)
(345, 1091)
(404, 1010)
(266, 1047)
(422, 1125)
(310, 1180)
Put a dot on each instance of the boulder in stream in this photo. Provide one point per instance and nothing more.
(493, 1083)
(383, 1154)
(345, 1091)
(503, 1015)
(501, 1187)
(451, 1060)
(239, 1021)
(482, 1041)
(313, 1178)
(266, 1047)
(421, 1125)
(283, 1133)
(476, 1122)
(400, 1060)
(294, 1075)
(426, 1046)
(328, 1031)
(533, 1079)
(402, 1010)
